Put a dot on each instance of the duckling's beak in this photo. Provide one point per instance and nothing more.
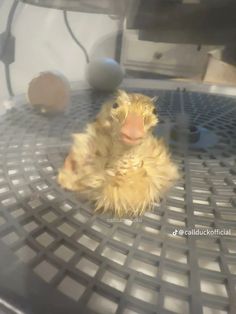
(132, 131)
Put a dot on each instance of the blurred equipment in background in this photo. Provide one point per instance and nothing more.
(7, 47)
(175, 37)
(111, 7)
(210, 22)
(49, 92)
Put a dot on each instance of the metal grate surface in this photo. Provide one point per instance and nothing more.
(57, 257)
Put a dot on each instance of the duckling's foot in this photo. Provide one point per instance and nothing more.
(67, 180)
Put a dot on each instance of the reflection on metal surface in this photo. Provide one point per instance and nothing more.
(180, 84)
(8, 306)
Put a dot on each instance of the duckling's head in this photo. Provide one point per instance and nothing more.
(129, 117)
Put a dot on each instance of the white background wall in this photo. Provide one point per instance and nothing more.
(43, 43)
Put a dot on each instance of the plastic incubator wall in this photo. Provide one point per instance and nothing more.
(42, 43)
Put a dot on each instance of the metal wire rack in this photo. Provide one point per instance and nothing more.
(58, 257)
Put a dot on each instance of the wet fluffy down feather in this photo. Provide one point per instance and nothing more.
(117, 163)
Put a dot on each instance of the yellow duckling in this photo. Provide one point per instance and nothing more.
(117, 163)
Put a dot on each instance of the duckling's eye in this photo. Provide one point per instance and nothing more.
(115, 105)
(154, 111)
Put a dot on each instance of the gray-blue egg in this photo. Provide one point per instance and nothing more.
(104, 74)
